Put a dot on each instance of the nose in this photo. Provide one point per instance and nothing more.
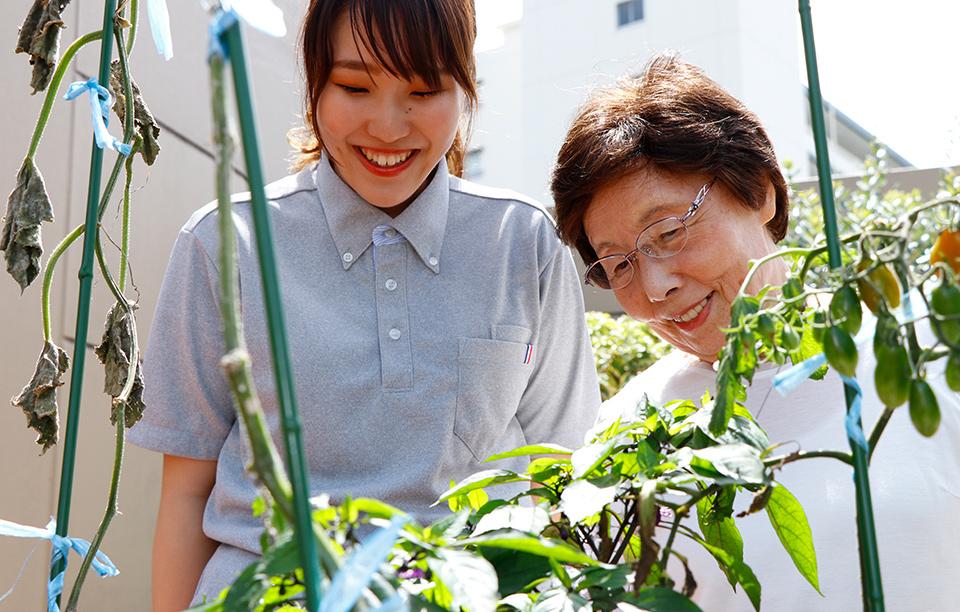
(656, 279)
(389, 122)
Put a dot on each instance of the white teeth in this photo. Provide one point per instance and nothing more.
(384, 160)
(693, 312)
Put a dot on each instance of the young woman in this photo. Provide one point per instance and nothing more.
(432, 322)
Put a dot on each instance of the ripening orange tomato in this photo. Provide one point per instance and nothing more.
(947, 249)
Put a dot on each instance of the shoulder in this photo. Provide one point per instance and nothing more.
(512, 215)
(203, 222)
(497, 200)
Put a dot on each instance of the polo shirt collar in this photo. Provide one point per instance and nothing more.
(352, 220)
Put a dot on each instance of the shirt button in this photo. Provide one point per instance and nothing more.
(348, 257)
(433, 260)
(394, 334)
(391, 232)
(390, 284)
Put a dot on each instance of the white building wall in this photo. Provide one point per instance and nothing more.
(566, 47)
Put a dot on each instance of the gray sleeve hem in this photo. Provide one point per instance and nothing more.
(171, 442)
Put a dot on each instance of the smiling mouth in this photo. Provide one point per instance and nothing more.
(386, 160)
(695, 316)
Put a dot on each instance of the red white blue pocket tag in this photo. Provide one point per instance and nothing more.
(528, 355)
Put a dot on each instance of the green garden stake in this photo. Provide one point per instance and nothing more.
(286, 396)
(872, 588)
(83, 303)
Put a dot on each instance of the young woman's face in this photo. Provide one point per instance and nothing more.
(384, 134)
(684, 298)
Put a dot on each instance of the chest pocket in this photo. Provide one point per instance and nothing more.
(493, 375)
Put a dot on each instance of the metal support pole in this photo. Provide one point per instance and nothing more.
(286, 396)
(83, 302)
(872, 589)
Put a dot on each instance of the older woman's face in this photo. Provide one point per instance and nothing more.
(684, 298)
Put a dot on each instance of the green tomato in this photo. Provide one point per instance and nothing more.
(840, 351)
(819, 325)
(767, 327)
(892, 377)
(886, 337)
(945, 301)
(792, 289)
(953, 371)
(789, 338)
(924, 409)
(845, 309)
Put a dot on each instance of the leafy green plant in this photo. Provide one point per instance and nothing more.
(622, 348)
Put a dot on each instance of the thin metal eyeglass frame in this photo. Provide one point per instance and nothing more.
(631, 256)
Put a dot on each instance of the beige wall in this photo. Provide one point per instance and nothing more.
(180, 182)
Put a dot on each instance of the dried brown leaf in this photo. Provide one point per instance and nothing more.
(114, 353)
(38, 399)
(143, 119)
(40, 37)
(27, 207)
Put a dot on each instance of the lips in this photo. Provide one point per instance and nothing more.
(694, 316)
(383, 162)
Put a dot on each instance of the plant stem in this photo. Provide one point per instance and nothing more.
(799, 455)
(134, 19)
(670, 538)
(55, 85)
(48, 277)
(125, 216)
(759, 262)
(108, 515)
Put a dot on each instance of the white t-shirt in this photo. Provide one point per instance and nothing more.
(915, 486)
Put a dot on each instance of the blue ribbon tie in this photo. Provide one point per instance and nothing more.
(160, 27)
(221, 21)
(100, 102)
(61, 548)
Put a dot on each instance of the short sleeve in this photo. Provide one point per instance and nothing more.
(188, 411)
(562, 397)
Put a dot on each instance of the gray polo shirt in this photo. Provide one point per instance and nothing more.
(462, 334)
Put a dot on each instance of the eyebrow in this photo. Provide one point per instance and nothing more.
(644, 222)
(357, 65)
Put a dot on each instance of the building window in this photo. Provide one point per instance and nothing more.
(629, 11)
(473, 164)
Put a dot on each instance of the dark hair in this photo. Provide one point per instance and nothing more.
(408, 38)
(676, 118)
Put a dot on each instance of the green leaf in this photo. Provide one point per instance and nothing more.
(516, 571)
(521, 518)
(471, 579)
(722, 533)
(739, 572)
(534, 449)
(582, 499)
(561, 600)
(375, 508)
(728, 386)
(480, 480)
(737, 461)
(588, 458)
(543, 547)
(661, 599)
(790, 523)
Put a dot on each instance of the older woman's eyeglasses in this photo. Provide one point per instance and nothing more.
(661, 239)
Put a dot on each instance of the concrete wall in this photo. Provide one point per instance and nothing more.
(180, 182)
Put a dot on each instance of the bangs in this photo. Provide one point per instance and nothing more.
(414, 39)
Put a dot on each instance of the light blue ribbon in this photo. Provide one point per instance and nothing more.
(221, 21)
(160, 27)
(854, 428)
(100, 102)
(61, 548)
(353, 577)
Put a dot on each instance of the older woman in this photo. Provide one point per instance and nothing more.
(668, 186)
